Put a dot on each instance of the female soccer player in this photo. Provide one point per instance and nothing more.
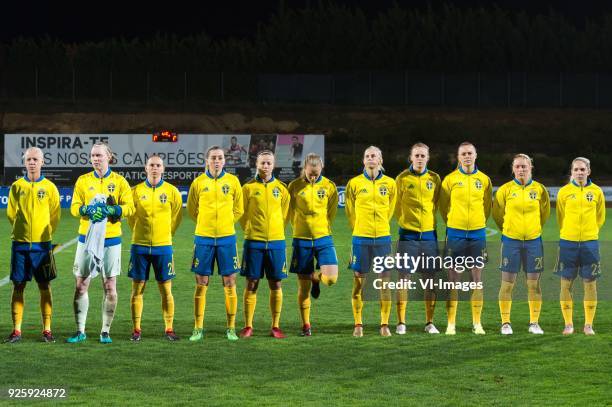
(418, 190)
(98, 195)
(581, 213)
(266, 206)
(370, 202)
(465, 206)
(314, 202)
(520, 209)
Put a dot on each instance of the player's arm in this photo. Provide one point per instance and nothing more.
(291, 213)
(285, 203)
(11, 208)
(601, 209)
(332, 204)
(436, 198)
(177, 209)
(488, 198)
(245, 205)
(78, 207)
(392, 199)
(499, 207)
(132, 219)
(544, 206)
(444, 199)
(193, 200)
(125, 207)
(349, 205)
(54, 208)
(398, 205)
(560, 208)
(238, 202)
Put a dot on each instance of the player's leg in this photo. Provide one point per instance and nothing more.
(138, 271)
(46, 309)
(202, 267)
(433, 264)
(228, 264)
(359, 279)
(20, 274)
(252, 269)
(534, 266)
(302, 264)
(81, 293)
(112, 269)
(477, 248)
(508, 279)
(163, 266)
(567, 268)
(590, 270)
(454, 248)
(275, 269)
(327, 261)
(43, 268)
(590, 304)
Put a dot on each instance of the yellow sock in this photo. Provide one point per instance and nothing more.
(276, 305)
(402, 301)
(199, 305)
(17, 304)
(167, 300)
(590, 301)
(329, 280)
(357, 300)
(534, 298)
(430, 305)
(231, 305)
(505, 300)
(250, 301)
(136, 303)
(304, 300)
(476, 302)
(451, 306)
(567, 303)
(46, 307)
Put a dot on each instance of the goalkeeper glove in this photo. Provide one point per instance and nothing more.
(113, 211)
(99, 215)
(87, 210)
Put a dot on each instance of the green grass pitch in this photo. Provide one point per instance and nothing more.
(330, 368)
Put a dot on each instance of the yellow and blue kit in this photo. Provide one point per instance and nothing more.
(158, 213)
(312, 211)
(520, 212)
(33, 211)
(465, 205)
(266, 207)
(215, 204)
(111, 185)
(369, 205)
(581, 213)
(415, 210)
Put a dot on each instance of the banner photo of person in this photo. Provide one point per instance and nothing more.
(67, 155)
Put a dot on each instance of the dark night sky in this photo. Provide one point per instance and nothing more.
(87, 21)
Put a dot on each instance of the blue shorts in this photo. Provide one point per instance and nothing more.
(578, 258)
(364, 249)
(526, 253)
(261, 259)
(417, 244)
(36, 261)
(306, 251)
(142, 258)
(464, 243)
(205, 256)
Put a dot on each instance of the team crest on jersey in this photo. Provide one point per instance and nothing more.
(533, 195)
(276, 192)
(41, 193)
(225, 189)
(429, 185)
(111, 187)
(589, 196)
(321, 193)
(163, 198)
(478, 184)
(383, 190)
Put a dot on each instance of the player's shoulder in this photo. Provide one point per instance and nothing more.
(434, 175)
(453, 174)
(539, 185)
(388, 179)
(49, 184)
(296, 183)
(508, 185)
(87, 177)
(595, 187)
(115, 176)
(280, 183)
(403, 175)
(171, 187)
(357, 179)
(19, 182)
(328, 183)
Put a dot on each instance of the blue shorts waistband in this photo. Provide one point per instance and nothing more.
(405, 234)
(215, 241)
(31, 246)
(154, 250)
(505, 238)
(258, 244)
(320, 242)
(371, 240)
(479, 234)
(108, 242)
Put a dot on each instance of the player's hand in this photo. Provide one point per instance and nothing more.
(99, 215)
(87, 210)
(113, 211)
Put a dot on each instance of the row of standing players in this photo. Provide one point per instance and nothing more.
(264, 205)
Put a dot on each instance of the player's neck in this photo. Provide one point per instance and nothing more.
(154, 181)
(373, 173)
(580, 183)
(265, 178)
(33, 176)
(215, 173)
(101, 172)
(468, 169)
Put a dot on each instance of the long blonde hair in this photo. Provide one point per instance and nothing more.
(312, 159)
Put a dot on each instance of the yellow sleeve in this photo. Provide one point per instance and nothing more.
(349, 205)
(444, 199)
(601, 209)
(238, 204)
(437, 184)
(291, 206)
(332, 204)
(499, 207)
(392, 199)
(285, 202)
(398, 205)
(560, 209)
(177, 210)
(126, 202)
(193, 200)
(544, 206)
(488, 197)
(132, 219)
(245, 204)
(78, 199)
(54, 208)
(11, 208)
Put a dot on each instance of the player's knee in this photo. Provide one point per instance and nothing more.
(329, 280)
(19, 286)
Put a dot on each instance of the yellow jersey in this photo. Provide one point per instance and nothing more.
(159, 211)
(370, 204)
(520, 211)
(111, 184)
(33, 210)
(266, 206)
(417, 200)
(465, 200)
(313, 207)
(215, 204)
(581, 211)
